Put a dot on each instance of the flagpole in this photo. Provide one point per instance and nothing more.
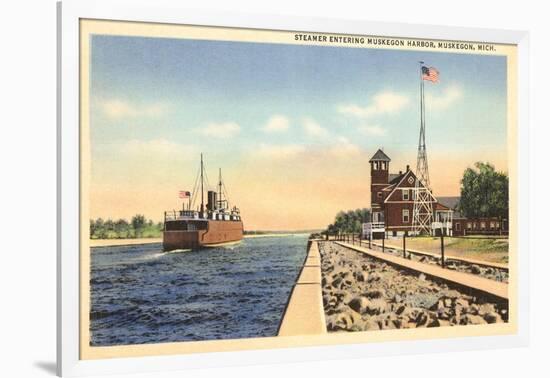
(420, 137)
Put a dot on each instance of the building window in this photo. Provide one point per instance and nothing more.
(405, 215)
(497, 225)
(482, 225)
(379, 194)
(492, 225)
(475, 226)
(406, 195)
(469, 225)
(383, 165)
(457, 226)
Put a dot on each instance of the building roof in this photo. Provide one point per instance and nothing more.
(395, 178)
(379, 156)
(451, 203)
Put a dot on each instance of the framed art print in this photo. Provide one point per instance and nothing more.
(282, 189)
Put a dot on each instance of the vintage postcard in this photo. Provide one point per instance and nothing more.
(253, 189)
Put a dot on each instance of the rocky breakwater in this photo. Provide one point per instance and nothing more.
(361, 293)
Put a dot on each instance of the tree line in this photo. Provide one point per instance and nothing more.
(348, 222)
(137, 227)
(484, 192)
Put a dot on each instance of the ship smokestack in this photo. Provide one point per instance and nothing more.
(211, 205)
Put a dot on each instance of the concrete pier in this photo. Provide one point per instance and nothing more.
(304, 313)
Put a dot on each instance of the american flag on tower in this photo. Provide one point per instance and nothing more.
(430, 74)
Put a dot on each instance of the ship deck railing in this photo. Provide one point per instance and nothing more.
(175, 215)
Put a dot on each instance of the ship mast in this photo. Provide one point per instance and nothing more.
(220, 203)
(202, 187)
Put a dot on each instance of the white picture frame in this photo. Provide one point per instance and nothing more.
(69, 14)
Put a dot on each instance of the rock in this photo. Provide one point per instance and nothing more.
(433, 323)
(471, 319)
(475, 269)
(486, 308)
(389, 324)
(462, 303)
(355, 317)
(473, 309)
(361, 276)
(374, 294)
(444, 323)
(374, 277)
(359, 304)
(400, 310)
(453, 294)
(492, 317)
(337, 282)
(421, 319)
(344, 319)
(422, 277)
(397, 298)
(372, 325)
(438, 306)
(376, 307)
(444, 313)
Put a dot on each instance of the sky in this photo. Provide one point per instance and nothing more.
(291, 126)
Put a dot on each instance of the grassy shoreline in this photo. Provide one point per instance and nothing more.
(484, 249)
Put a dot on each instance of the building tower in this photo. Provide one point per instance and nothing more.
(423, 205)
(379, 178)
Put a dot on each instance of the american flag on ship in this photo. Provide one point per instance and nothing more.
(430, 74)
(184, 194)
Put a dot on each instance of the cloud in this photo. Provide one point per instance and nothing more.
(372, 130)
(382, 103)
(449, 96)
(280, 151)
(313, 129)
(276, 123)
(344, 149)
(118, 109)
(158, 148)
(220, 130)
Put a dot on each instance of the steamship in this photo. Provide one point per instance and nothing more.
(211, 225)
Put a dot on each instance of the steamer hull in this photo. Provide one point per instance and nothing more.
(191, 234)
